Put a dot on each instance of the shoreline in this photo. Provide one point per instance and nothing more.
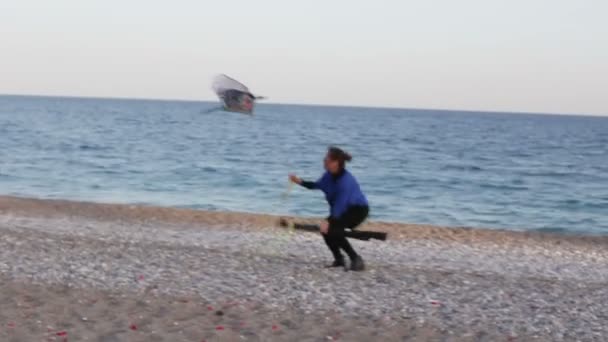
(36, 207)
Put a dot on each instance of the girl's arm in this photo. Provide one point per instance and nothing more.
(309, 185)
(303, 183)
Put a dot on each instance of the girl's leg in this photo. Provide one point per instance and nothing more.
(356, 262)
(347, 248)
(353, 217)
(334, 247)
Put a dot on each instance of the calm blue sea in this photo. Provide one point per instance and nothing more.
(516, 171)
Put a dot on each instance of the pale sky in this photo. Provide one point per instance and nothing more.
(512, 55)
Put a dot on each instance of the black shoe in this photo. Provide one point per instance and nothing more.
(357, 264)
(336, 263)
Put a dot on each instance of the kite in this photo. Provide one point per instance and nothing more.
(234, 96)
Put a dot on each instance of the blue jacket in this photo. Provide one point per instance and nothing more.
(341, 192)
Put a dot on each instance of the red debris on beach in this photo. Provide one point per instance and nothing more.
(435, 302)
(210, 308)
(133, 327)
(275, 328)
(62, 333)
(231, 303)
(10, 324)
(219, 327)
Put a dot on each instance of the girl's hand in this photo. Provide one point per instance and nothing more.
(324, 227)
(295, 178)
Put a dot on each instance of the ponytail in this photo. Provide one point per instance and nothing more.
(340, 155)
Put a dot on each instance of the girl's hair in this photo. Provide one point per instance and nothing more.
(338, 154)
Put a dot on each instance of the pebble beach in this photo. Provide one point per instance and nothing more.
(82, 271)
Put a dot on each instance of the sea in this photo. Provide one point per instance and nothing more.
(450, 168)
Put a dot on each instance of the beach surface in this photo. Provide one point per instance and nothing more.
(101, 272)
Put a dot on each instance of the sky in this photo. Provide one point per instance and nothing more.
(546, 56)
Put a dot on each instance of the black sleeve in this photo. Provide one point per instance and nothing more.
(309, 185)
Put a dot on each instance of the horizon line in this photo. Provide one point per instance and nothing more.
(389, 107)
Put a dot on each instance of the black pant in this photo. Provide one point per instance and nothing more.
(335, 238)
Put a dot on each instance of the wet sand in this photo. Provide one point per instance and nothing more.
(105, 272)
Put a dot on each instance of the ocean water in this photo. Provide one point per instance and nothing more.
(514, 171)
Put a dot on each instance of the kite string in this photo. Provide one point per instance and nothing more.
(287, 191)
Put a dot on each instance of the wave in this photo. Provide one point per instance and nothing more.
(209, 169)
(86, 147)
(453, 167)
(105, 171)
(556, 174)
(503, 187)
(560, 230)
(575, 203)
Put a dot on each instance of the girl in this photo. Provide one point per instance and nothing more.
(348, 206)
